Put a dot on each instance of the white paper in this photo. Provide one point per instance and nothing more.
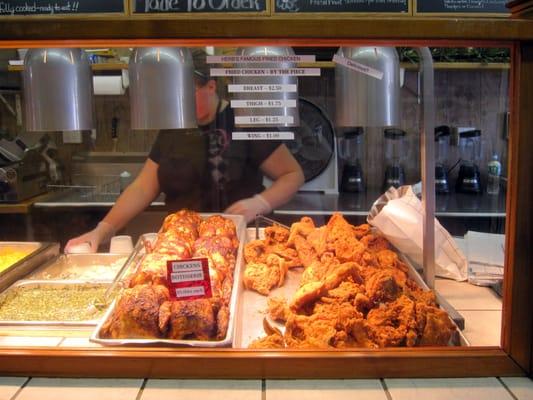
(398, 216)
(108, 85)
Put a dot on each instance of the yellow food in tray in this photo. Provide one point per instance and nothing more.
(9, 256)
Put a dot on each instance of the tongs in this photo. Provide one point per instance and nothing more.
(260, 218)
(101, 303)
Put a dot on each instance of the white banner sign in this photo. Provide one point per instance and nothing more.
(290, 88)
(262, 135)
(258, 59)
(264, 119)
(265, 71)
(263, 103)
(358, 67)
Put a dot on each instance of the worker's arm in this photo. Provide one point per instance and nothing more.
(137, 196)
(287, 177)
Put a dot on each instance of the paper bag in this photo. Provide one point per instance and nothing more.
(397, 215)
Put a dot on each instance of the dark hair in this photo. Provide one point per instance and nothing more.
(201, 68)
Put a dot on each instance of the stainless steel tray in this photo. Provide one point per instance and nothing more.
(81, 267)
(38, 253)
(252, 307)
(48, 284)
(227, 341)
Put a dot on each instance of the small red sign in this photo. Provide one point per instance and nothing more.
(189, 279)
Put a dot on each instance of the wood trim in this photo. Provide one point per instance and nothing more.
(269, 28)
(517, 318)
(225, 363)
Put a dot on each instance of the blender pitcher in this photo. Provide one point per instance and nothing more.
(395, 154)
(352, 150)
(468, 179)
(442, 145)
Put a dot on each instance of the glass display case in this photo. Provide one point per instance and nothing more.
(356, 293)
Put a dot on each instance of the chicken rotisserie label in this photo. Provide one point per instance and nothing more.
(189, 279)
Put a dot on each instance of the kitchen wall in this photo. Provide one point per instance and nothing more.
(470, 98)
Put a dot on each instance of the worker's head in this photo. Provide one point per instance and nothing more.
(206, 88)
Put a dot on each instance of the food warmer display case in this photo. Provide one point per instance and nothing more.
(163, 359)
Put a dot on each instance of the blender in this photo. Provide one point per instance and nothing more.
(351, 151)
(468, 179)
(395, 153)
(442, 145)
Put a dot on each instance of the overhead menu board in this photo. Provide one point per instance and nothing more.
(341, 6)
(461, 7)
(60, 7)
(198, 6)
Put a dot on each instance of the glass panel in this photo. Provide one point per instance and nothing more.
(347, 121)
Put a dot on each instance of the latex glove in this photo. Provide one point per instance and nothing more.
(249, 208)
(101, 234)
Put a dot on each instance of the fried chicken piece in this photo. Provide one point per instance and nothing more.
(393, 324)
(288, 254)
(276, 235)
(137, 313)
(434, 325)
(306, 253)
(319, 269)
(317, 239)
(302, 229)
(375, 243)
(193, 319)
(361, 230)
(273, 341)
(315, 331)
(255, 251)
(313, 290)
(278, 308)
(346, 292)
(359, 333)
(341, 240)
(262, 277)
(387, 258)
(384, 285)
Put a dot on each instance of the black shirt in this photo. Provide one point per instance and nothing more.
(204, 169)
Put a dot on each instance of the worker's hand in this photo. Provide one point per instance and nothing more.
(249, 208)
(101, 234)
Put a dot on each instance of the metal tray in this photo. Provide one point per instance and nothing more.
(38, 253)
(48, 284)
(252, 306)
(227, 341)
(81, 267)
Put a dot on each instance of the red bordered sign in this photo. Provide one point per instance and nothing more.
(189, 279)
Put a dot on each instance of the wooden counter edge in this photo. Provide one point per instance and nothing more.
(248, 364)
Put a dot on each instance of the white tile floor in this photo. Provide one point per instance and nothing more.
(341, 389)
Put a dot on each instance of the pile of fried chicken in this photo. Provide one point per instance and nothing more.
(145, 309)
(354, 290)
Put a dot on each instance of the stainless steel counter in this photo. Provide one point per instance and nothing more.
(451, 205)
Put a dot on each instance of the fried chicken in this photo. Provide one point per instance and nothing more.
(263, 277)
(434, 325)
(278, 308)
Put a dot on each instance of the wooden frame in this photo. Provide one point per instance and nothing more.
(514, 357)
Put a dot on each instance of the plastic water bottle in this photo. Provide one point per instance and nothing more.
(494, 172)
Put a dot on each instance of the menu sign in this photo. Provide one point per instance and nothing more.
(59, 7)
(198, 6)
(339, 6)
(461, 6)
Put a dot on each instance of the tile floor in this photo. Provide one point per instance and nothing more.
(363, 389)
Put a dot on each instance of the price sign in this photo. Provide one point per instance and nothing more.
(290, 88)
(262, 135)
(358, 67)
(265, 71)
(264, 119)
(259, 59)
(291, 103)
(189, 279)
